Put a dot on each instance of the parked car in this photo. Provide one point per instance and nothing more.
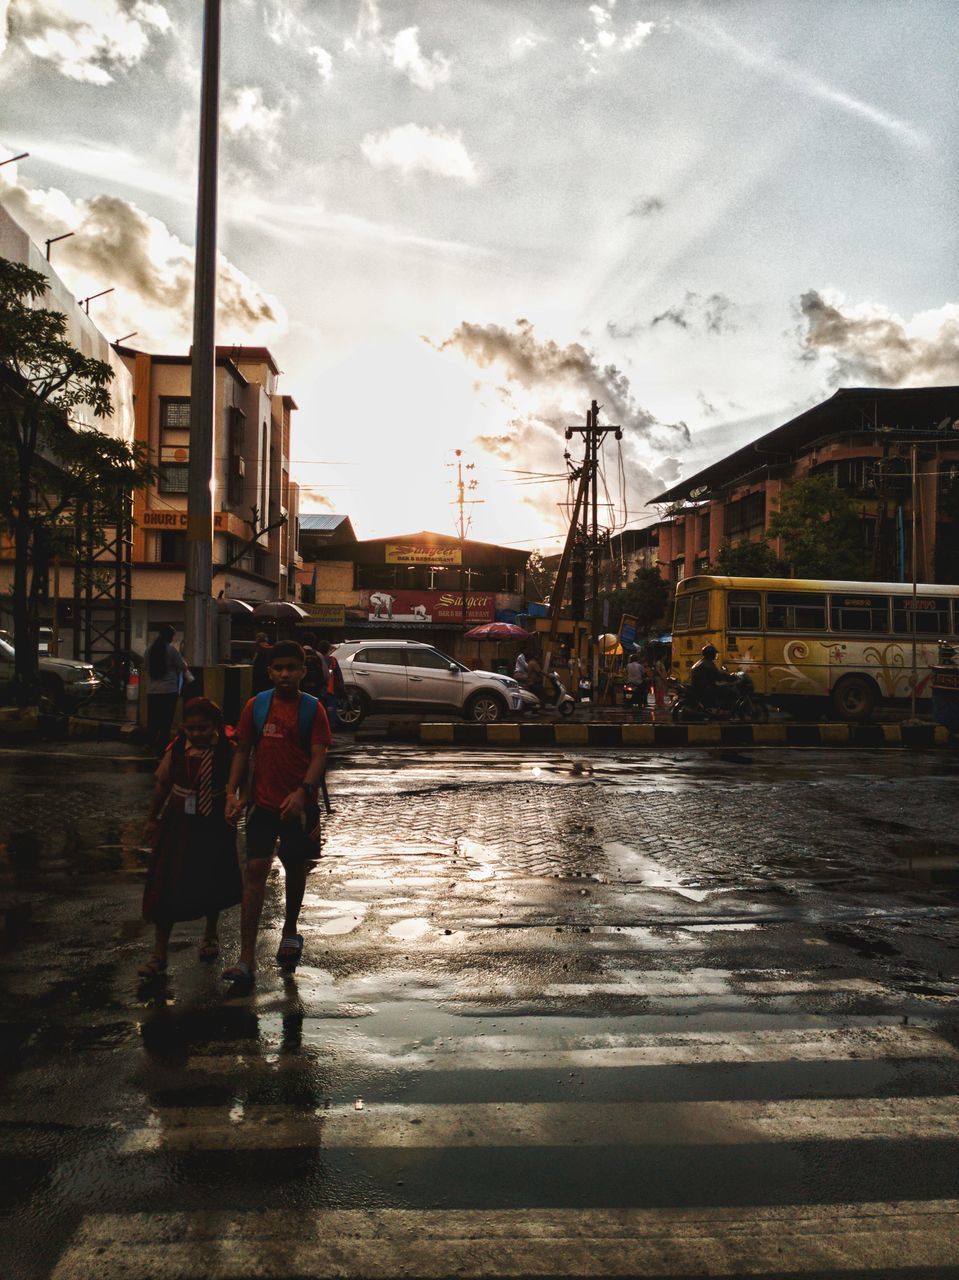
(64, 684)
(407, 675)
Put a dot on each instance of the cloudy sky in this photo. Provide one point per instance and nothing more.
(455, 222)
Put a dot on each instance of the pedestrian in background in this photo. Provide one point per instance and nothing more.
(660, 675)
(261, 660)
(334, 684)
(193, 869)
(291, 735)
(636, 678)
(168, 670)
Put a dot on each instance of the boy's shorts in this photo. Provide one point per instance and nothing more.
(299, 837)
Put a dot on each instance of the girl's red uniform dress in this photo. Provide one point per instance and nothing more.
(194, 870)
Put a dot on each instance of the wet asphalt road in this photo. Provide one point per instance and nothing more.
(602, 1014)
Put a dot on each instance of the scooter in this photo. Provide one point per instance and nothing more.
(747, 706)
(557, 698)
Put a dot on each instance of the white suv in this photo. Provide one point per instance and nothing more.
(406, 675)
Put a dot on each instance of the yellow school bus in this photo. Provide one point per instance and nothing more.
(850, 642)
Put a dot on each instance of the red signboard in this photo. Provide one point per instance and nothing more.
(431, 606)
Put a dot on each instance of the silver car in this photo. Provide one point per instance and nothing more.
(64, 684)
(406, 675)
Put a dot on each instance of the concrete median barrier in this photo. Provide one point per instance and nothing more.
(917, 737)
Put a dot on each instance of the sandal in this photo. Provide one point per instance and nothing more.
(290, 952)
(239, 972)
(152, 968)
(209, 948)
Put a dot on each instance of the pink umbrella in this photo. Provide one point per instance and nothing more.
(498, 631)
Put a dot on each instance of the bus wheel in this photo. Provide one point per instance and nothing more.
(854, 698)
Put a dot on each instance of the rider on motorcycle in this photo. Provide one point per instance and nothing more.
(712, 685)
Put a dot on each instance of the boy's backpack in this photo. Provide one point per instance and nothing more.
(306, 716)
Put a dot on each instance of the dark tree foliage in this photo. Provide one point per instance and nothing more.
(646, 599)
(49, 466)
(748, 560)
(822, 536)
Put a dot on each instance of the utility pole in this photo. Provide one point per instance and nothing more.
(462, 488)
(593, 435)
(198, 584)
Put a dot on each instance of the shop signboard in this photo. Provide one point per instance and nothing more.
(421, 553)
(326, 615)
(627, 633)
(431, 606)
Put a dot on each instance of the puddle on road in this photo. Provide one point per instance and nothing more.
(409, 930)
(335, 918)
(635, 868)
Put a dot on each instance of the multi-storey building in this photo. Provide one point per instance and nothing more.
(863, 440)
(255, 556)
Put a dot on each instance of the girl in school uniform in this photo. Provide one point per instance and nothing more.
(194, 871)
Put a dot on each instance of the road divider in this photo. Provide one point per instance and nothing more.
(916, 737)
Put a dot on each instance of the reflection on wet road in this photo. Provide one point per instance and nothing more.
(558, 1016)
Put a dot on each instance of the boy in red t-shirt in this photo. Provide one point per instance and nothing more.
(282, 806)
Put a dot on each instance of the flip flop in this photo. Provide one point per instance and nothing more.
(239, 972)
(209, 949)
(152, 968)
(290, 952)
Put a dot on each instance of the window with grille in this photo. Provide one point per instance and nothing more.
(699, 613)
(859, 613)
(744, 611)
(174, 477)
(748, 513)
(925, 616)
(795, 611)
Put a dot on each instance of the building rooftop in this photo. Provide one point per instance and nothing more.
(923, 412)
(320, 523)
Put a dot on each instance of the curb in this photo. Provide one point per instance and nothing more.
(854, 736)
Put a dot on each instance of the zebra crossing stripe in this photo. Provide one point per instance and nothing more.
(378, 1244)
(507, 1124)
(512, 1053)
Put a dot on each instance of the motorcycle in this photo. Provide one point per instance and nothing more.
(557, 698)
(748, 706)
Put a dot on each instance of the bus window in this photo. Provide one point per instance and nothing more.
(699, 615)
(681, 620)
(929, 617)
(860, 613)
(795, 611)
(744, 612)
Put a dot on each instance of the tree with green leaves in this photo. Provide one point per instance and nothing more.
(748, 560)
(646, 599)
(51, 466)
(822, 536)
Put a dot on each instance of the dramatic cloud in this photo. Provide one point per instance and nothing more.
(323, 60)
(547, 387)
(524, 44)
(644, 208)
(711, 314)
(88, 41)
(401, 51)
(868, 344)
(116, 245)
(425, 73)
(605, 38)
(244, 115)
(413, 149)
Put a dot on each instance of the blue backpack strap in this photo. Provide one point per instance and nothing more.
(261, 709)
(306, 718)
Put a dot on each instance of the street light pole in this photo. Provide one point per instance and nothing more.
(198, 584)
